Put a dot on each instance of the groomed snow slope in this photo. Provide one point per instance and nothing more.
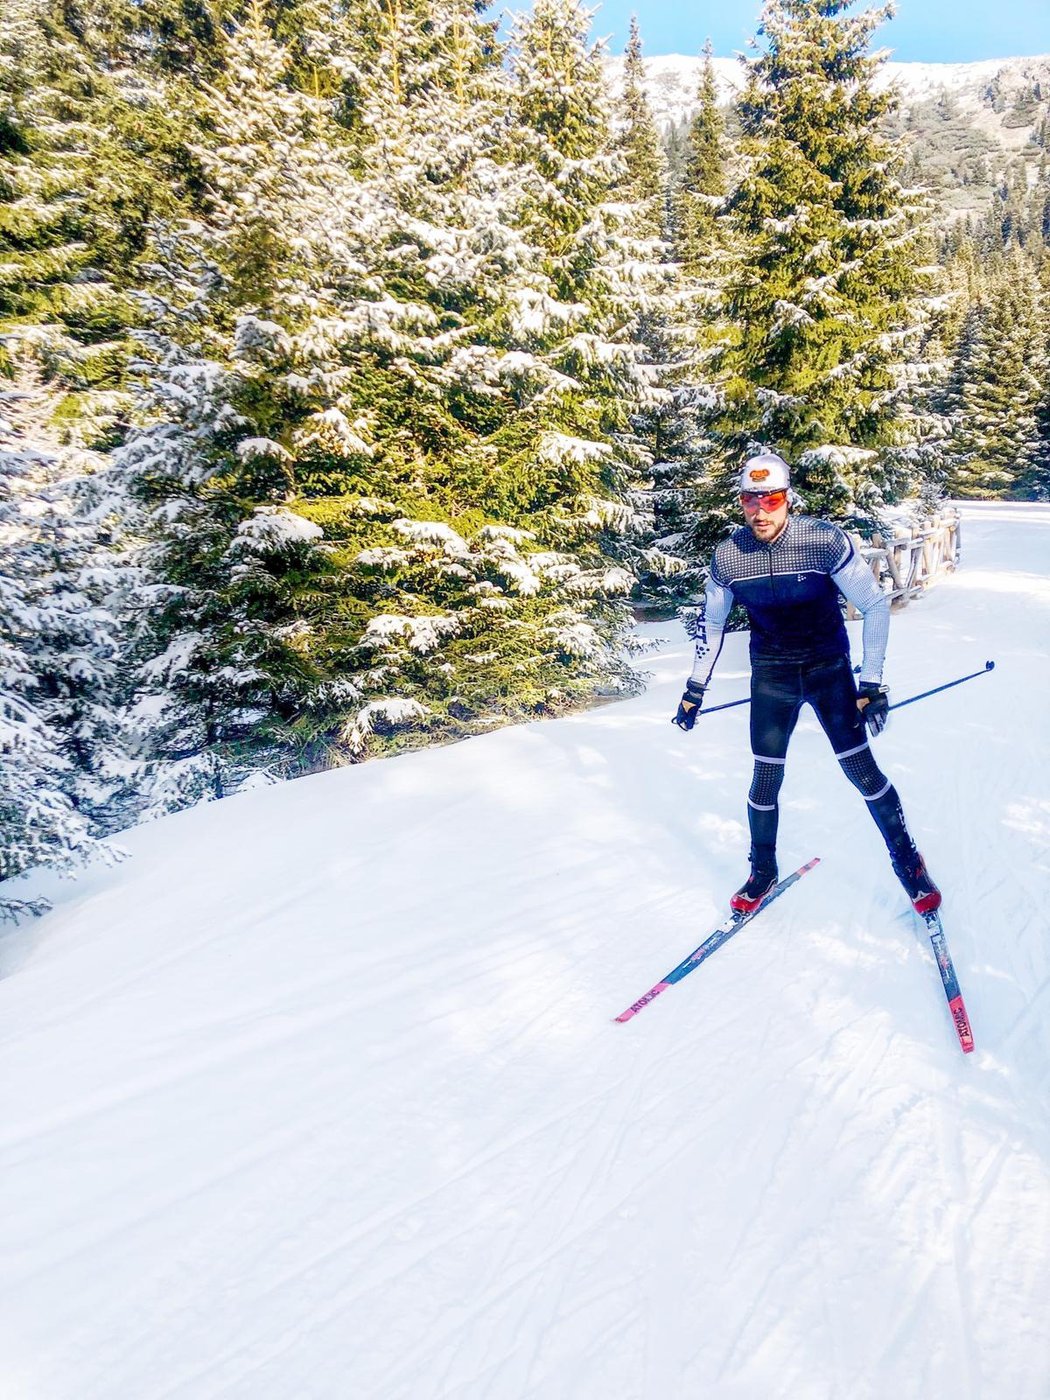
(319, 1096)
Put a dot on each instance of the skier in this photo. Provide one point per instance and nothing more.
(787, 571)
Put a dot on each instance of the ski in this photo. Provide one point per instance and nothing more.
(956, 1005)
(714, 941)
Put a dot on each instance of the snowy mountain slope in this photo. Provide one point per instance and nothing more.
(318, 1094)
(672, 81)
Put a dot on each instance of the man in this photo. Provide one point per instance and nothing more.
(788, 571)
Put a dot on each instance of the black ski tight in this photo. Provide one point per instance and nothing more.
(779, 689)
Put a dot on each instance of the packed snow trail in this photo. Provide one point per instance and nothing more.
(318, 1094)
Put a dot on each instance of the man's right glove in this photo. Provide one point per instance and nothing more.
(689, 705)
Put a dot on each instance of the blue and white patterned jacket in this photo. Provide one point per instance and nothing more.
(790, 589)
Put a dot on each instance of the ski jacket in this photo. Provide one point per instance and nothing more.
(790, 589)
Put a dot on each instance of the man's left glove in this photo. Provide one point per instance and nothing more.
(689, 705)
(873, 701)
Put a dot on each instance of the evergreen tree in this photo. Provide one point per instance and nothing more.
(88, 161)
(76, 585)
(63, 322)
(245, 383)
(351, 551)
(704, 179)
(666, 327)
(44, 163)
(57, 297)
(643, 184)
(57, 651)
(482, 605)
(579, 319)
(704, 255)
(998, 386)
(824, 296)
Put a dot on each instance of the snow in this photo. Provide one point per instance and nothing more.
(433, 532)
(319, 1094)
(423, 634)
(274, 529)
(252, 447)
(672, 80)
(394, 710)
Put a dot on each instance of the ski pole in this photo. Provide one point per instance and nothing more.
(730, 705)
(988, 666)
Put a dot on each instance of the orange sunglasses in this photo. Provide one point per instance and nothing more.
(768, 500)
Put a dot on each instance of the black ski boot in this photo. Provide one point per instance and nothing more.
(763, 877)
(910, 869)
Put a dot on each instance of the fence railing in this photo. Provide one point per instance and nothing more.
(907, 564)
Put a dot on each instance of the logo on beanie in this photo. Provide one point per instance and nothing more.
(759, 475)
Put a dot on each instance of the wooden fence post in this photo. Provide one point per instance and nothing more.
(906, 565)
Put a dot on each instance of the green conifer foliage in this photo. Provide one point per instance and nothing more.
(39, 240)
(245, 384)
(63, 349)
(577, 310)
(61, 756)
(356, 553)
(824, 296)
(998, 386)
(687, 485)
(88, 160)
(477, 602)
(703, 185)
(663, 423)
(56, 292)
(643, 183)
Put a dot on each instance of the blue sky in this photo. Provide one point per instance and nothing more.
(930, 31)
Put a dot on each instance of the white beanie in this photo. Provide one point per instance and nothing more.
(767, 472)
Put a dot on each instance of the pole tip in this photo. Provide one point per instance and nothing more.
(989, 665)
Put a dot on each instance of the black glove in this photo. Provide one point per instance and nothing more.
(689, 705)
(873, 701)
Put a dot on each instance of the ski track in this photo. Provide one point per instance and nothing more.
(346, 1113)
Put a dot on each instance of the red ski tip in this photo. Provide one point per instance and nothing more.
(962, 1024)
(713, 942)
(641, 1002)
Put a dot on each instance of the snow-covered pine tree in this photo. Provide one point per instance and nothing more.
(481, 607)
(317, 366)
(643, 182)
(41, 208)
(62, 331)
(1034, 482)
(685, 460)
(491, 560)
(998, 384)
(70, 211)
(577, 313)
(825, 293)
(245, 377)
(59, 756)
(704, 182)
(929, 403)
(666, 328)
(75, 584)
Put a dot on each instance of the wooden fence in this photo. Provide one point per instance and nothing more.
(907, 564)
